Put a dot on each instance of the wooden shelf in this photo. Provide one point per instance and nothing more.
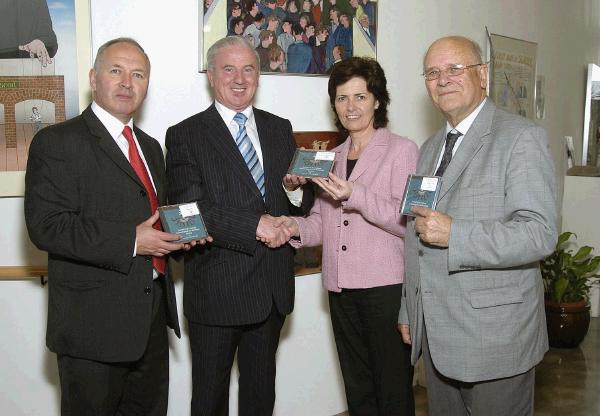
(22, 272)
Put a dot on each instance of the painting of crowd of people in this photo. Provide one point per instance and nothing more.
(300, 36)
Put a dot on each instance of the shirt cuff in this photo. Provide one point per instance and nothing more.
(295, 196)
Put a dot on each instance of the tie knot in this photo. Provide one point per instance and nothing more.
(451, 138)
(240, 119)
(127, 133)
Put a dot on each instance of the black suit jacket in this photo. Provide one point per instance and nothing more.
(236, 279)
(82, 204)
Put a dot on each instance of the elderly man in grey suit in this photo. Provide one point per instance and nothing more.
(473, 294)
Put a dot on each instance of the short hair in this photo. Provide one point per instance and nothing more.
(264, 34)
(227, 42)
(373, 74)
(307, 16)
(272, 17)
(297, 29)
(472, 47)
(236, 6)
(286, 20)
(275, 52)
(321, 28)
(102, 49)
(269, 1)
(259, 17)
(250, 5)
(340, 48)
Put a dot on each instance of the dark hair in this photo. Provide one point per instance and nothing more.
(369, 70)
(297, 29)
(250, 5)
(259, 16)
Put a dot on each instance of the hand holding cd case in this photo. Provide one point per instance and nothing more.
(183, 219)
(312, 163)
(420, 191)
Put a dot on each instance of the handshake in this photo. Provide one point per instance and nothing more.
(276, 231)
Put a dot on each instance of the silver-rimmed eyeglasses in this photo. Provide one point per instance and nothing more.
(450, 71)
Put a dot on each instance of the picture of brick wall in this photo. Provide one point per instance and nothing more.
(15, 132)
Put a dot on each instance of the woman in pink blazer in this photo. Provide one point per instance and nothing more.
(356, 218)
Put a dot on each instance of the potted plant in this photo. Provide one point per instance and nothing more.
(568, 278)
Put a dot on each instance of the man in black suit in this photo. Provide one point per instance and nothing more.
(231, 158)
(90, 201)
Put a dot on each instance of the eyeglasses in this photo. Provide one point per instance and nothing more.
(451, 71)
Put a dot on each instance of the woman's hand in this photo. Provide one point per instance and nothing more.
(339, 189)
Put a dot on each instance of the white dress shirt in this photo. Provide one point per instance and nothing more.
(462, 128)
(227, 115)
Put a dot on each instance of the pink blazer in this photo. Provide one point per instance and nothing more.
(362, 238)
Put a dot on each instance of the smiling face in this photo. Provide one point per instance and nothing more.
(355, 107)
(455, 96)
(234, 78)
(120, 80)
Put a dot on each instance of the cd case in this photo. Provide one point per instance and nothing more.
(183, 219)
(420, 191)
(312, 163)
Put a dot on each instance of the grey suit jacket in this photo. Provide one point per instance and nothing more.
(82, 204)
(481, 299)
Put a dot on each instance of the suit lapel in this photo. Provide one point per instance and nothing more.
(154, 164)
(221, 139)
(108, 145)
(375, 149)
(268, 147)
(340, 165)
(428, 158)
(470, 145)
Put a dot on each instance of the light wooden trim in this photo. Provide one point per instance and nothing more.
(22, 272)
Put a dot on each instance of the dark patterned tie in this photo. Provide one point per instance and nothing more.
(140, 169)
(249, 153)
(451, 139)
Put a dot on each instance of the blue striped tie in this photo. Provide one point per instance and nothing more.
(249, 153)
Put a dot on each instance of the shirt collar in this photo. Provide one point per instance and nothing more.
(227, 114)
(464, 126)
(112, 124)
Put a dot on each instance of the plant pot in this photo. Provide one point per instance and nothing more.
(568, 323)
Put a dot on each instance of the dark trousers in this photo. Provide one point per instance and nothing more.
(141, 387)
(213, 351)
(375, 362)
(510, 396)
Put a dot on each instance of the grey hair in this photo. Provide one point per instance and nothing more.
(229, 41)
(472, 46)
(102, 49)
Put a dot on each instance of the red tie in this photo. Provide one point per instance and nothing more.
(140, 169)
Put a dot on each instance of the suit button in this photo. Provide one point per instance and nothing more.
(346, 222)
(147, 290)
(421, 253)
(142, 193)
(343, 248)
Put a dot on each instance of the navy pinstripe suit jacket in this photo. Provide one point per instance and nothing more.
(236, 279)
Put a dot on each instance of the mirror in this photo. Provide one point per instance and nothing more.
(591, 120)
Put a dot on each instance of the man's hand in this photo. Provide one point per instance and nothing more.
(405, 332)
(271, 234)
(152, 242)
(432, 226)
(188, 246)
(289, 223)
(37, 49)
(339, 189)
(292, 182)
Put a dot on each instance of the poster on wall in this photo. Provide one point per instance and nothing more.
(513, 74)
(300, 37)
(39, 76)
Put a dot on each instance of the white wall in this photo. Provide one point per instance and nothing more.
(567, 34)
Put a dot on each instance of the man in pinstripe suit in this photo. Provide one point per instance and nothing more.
(238, 290)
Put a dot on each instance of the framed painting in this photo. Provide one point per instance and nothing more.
(299, 37)
(308, 259)
(513, 74)
(44, 60)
